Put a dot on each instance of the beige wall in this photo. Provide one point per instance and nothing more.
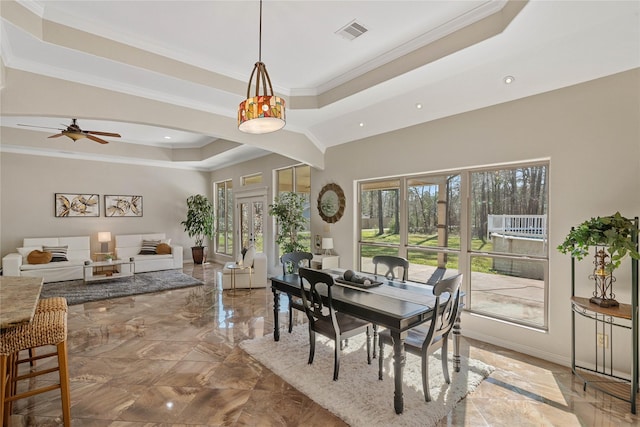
(28, 185)
(589, 132)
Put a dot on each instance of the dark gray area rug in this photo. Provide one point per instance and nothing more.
(77, 292)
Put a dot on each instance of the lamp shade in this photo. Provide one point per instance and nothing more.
(104, 237)
(261, 114)
(327, 243)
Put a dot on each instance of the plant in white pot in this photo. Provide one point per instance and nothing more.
(199, 224)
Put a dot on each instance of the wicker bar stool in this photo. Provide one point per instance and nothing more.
(48, 304)
(48, 328)
(52, 304)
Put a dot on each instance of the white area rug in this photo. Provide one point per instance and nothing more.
(358, 397)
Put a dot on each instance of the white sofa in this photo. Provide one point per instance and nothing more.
(78, 251)
(258, 274)
(129, 246)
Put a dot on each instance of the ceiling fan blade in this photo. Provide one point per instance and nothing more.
(96, 139)
(56, 135)
(115, 135)
(42, 127)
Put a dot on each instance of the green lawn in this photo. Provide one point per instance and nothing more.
(479, 264)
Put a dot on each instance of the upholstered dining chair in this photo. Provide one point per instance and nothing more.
(324, 319)
(290, 263)
(391, 263)
(422, 341)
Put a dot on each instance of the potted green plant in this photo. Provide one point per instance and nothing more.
(614, 237)
(614, 232)
(288, 210)
(199, 224)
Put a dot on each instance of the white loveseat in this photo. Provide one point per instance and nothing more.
(78, 251)
(258, 274)
(129, 246)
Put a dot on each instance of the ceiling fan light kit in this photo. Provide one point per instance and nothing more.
(262, 113)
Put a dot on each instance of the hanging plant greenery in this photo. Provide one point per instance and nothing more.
(615, 232)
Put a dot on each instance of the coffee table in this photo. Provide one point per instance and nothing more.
(88, 268)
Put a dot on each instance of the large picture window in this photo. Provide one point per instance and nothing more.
(297, 179)
(498, 240)
(224, 217)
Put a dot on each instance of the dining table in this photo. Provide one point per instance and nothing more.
(393, 304)
(18, 299)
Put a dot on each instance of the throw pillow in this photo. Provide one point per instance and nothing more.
(149, 247)
(58, 253)
(26, 251)
(248, 257)
(163, 249)
(39, 257)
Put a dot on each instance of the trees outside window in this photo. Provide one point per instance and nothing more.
(224, 217)
(499, 240)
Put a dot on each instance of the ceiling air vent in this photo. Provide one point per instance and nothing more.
(352, 30)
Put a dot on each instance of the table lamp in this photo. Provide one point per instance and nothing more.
(327, 245)
(104, 237)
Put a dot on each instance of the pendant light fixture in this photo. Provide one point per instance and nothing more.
(262, 113)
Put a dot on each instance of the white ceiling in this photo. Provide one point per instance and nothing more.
(449, 56)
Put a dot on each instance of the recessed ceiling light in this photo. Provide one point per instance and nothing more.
(509, 79)
(361, 124)
(419, 106)
(167, 137)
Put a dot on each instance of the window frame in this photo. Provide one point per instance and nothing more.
(465, 253)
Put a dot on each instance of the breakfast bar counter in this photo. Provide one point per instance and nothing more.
(18, 299)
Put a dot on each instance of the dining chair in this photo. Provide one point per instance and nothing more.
(391, 263)
(324, 319)
(291, 261)
(423, 341)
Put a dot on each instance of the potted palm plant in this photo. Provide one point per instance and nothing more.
(288, 210)
(199, 224)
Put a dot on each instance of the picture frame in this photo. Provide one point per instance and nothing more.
(122, 206)
(68, 205)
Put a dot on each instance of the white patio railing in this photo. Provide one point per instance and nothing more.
(518, 225)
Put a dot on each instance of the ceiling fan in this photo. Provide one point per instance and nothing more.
(74, 132)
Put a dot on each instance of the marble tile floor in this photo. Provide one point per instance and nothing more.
(172, 359)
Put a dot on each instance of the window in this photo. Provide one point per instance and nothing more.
(509, 250)
(297, 179)
(251, 179)
(499, 241)
(224, 217)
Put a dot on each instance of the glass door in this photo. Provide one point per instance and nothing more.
(251, 222)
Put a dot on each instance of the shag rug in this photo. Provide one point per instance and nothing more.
(358, 397)
(77, 292)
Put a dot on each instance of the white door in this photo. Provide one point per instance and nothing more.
(251, 222)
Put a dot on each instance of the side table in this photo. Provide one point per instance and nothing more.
(235, 267)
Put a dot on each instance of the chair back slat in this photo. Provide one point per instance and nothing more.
(391, 263)
(315, 307)
(291, 261)
(444, 316)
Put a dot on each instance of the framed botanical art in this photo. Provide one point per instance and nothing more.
(76, 205)
(123, 206)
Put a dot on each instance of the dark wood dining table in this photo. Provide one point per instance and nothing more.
(18, 299)
(396, 305)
